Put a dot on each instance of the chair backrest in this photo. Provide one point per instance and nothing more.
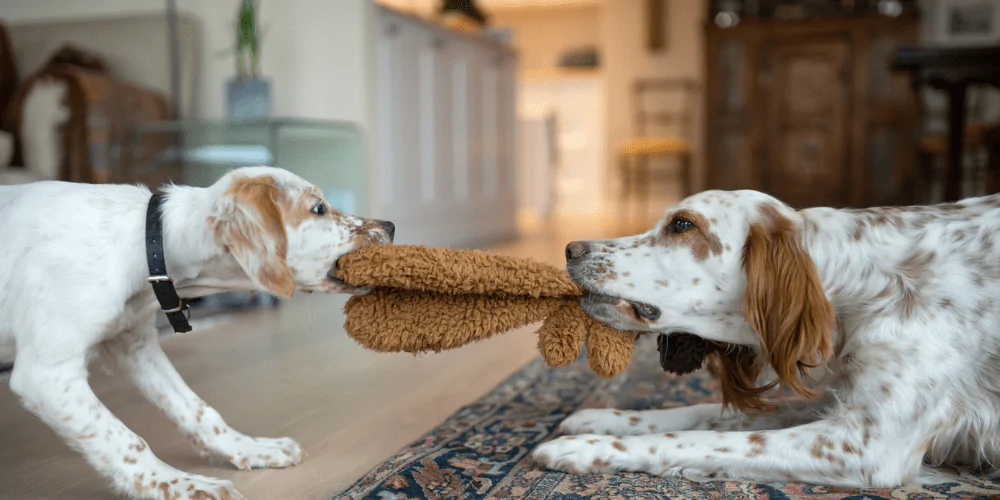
(134, 46)
(665, 104)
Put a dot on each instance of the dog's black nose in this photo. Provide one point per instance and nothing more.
(576, 250)
(389, 228)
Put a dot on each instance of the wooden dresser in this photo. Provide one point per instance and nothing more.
(810, 111)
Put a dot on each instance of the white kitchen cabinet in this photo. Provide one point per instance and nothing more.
(445, 133)
(578, 103)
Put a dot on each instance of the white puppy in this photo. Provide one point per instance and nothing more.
(74, 275)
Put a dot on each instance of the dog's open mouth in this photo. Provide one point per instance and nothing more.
(594, 303)
(341, 285)
(332, 276)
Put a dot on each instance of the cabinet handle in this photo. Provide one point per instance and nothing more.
(439, 44)
(392, 30)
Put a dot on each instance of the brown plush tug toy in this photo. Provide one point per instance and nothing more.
(433, 299)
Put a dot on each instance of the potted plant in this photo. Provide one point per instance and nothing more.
(248, 95)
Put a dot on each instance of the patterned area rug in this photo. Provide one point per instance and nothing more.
(482, 451)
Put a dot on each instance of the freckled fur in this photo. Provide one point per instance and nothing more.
(888, 330)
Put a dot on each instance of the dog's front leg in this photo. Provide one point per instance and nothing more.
(140, 354)
(846, 452)
(54, 387)
(709, 416)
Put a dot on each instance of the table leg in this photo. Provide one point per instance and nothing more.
(956, 141)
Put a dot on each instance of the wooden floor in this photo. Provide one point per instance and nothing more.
(286, 372)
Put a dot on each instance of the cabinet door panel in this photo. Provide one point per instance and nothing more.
(729, 144)
(808, 109)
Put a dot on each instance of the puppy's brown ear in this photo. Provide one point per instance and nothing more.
(785, 302)
(250, 225)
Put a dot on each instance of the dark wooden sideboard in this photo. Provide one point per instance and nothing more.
(810, 111)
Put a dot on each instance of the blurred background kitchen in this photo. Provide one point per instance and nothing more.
(515, 125)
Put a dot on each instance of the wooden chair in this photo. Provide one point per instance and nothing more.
(674, 142)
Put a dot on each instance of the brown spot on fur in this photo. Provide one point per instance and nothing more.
(816, 450)
(913, 273)
(130, 460)
(723, 450)
(592, 441)
(757, 439)
(670, 435)
(601, 463)
(860, 226)
(634, 420)
(618, 446)
(824, 443)
(617, 413)
(663, 283)
(652, 450)
(700, 239)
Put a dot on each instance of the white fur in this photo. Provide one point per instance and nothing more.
(74, 278)
(903, 391)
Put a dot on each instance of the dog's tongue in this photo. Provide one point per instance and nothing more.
(682, 353)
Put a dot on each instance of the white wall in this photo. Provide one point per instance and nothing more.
(626, 58)
(315, 52)
(620, 34)
(542, 36)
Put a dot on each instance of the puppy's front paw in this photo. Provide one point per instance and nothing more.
(182, 485)
(264, 453)
(605, 421)
(583, 454)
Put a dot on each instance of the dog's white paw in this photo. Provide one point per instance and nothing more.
(177, 484)
(606, 421)
(247, 453)
(584, 454)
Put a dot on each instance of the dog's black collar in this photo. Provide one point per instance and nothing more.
(163, 287)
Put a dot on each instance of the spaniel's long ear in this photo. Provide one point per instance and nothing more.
(249, 223)
(785, 302)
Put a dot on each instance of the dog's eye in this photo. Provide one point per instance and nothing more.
(679, 225)
(319, 209)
